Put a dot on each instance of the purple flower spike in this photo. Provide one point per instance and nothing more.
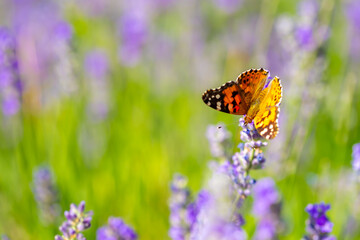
(46, 195)
(77, 221)
(356, 157)
(267, 209)
(134, 32)
(96, 64)
(182, 214)
(115, 230)
(318, 226)
(228, 6)
(4, 237)
(249, 157)
(218, 137)
(353, 17)
(9, 75)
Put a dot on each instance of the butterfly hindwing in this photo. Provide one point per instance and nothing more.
(266, 120)
(228, 98)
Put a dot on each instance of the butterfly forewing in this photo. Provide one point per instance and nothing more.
(227, 98)
(252, 82)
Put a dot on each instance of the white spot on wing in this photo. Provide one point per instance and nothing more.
(263, 131)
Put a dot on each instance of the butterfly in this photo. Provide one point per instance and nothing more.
(249, 95)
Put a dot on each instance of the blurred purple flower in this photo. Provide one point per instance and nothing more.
(4, 237)
(164, 4)
(41, 25)
(116, 229)
(46, 194)
(222, 231)
(96, 64)
(194, 208)
(265, 230)
(356, 157)
(308, 33)
(77, 220)
(353, 16)
(265, 195)
(133, 32)
(266, 208)
(43, 52)
(10, 99)
(218, 137)
(63, 31)
(318, 226)
(10, 105)
(353, 10)
(308, 9)
(179, 201)
(217, 216)
(228, 6)
(304, 36)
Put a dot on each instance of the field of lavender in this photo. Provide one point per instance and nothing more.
(104, 134)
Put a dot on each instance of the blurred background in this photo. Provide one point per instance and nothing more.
(107, 95)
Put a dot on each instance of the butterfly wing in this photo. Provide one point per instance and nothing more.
(236, 97)
(252, 83)
(228, 98)
(266, 120)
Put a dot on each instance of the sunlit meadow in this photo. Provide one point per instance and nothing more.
(104, 134)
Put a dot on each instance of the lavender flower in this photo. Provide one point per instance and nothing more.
(77, 220)
(9, 75)
(133, 31)
(46, 72)
(116, 229)
(179, 201)
(218, 137)
(163, 4)
(249, 157)
(265, 196)
(318, 226)
(96, 66)
(356, 157)
(228, 6)
(353, 13)
(217, 214)
(309, 34)
(266, 208)
(4, 237)
(46, 195)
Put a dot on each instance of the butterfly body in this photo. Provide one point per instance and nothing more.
(248, 96)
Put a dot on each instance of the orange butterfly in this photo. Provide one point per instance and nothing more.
(247, 96)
